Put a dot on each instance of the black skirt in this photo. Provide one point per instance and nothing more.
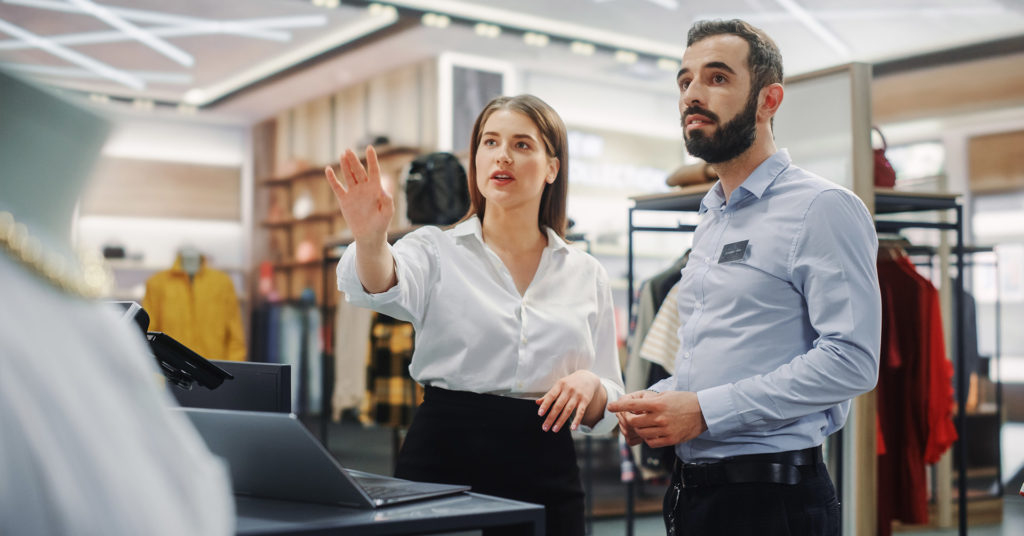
(496, 445)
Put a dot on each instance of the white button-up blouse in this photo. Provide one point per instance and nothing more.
(475, 332)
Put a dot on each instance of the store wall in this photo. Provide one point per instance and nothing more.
(162, 183)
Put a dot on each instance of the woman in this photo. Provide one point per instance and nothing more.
(515, 340)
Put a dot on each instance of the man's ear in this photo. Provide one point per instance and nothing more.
(770, 100)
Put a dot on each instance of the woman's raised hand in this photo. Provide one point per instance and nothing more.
(366, 205)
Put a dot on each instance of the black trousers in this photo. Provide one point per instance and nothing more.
(807, 508)
(495, 444)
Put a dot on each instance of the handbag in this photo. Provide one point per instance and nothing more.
(885, 175)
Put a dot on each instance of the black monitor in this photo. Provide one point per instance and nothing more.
(255, 387)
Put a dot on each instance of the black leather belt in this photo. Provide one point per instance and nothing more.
(773, 467)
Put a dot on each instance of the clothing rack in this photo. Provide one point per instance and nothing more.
(331, 255)
(887, 202)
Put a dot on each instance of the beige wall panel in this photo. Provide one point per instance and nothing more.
(350, 117)
(427, 139)
(949, 89)
(380, 102)
(403, 90)
(996, 162)
(300, 133)
(282, 145)
(160, 189)
(319, 131)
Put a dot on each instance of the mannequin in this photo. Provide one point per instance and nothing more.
(197, 305)
(88, 444)
(190, 260)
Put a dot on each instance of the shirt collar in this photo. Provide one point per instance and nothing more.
(757, 183)
(472, 228)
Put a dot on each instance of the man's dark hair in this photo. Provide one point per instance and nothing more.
(764, 60)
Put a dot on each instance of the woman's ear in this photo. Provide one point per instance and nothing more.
(553, 166)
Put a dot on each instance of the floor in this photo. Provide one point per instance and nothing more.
(371, 449)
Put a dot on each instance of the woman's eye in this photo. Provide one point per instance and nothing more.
(523, 145)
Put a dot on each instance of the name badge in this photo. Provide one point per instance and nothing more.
(733, 252)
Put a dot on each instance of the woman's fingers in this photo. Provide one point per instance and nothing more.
(372, 165)
(352, 168)
(556, 411)
(335, 184)
(581, 410)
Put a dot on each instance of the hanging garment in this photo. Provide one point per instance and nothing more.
(915, 393)
(392, 396)
(655, 295)
(301, 348)
(352, 329)
(200, 312)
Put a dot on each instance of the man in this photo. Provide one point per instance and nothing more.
(779, 307)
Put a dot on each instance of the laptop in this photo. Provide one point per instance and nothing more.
(274, 456)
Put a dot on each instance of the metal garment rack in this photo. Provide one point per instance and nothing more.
(886, 202)
(330, 258)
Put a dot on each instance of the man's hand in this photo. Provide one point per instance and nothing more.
(659, 419)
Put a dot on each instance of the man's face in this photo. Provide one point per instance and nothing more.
(714, 83)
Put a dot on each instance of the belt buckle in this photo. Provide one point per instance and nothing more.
(693, 475)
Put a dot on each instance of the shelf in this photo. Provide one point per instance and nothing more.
(314, 217)
(125, 265)
(346, 239)
(686, 199)
(288, 265)
(888, 201)
(304, 173)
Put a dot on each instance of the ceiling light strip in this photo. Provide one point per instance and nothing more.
(143, 36)
(247, 27)
(349, 33)
(91, 38)
(74, 72)
(816, 27)
(512, 19)
(100, 68)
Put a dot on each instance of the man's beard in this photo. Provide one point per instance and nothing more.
(730, 140)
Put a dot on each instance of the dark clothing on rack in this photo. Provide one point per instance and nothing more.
(745, 495)
(496, 445)
(915, 393)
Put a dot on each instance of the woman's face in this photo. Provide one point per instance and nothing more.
(512, 165)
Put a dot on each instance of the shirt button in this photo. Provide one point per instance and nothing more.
(687, 355)
(707, 260)
(696, 305)
(523, 339)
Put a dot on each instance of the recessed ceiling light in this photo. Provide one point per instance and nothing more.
(487, 30)
(194, 96)
(625, 56)
(581, 48)
(535, 39)
(666, 64)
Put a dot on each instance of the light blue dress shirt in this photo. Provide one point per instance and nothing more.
(777, 334)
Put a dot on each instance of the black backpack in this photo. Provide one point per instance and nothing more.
(436, 190)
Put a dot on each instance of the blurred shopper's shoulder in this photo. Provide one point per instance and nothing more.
(88, 444)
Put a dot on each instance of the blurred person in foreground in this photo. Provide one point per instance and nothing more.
(87, 442)
(779, 307)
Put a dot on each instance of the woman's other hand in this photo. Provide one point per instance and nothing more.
(581, 392)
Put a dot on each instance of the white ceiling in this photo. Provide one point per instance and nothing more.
(250, 58)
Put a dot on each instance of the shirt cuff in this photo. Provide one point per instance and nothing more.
(719, 412)
(348, 282)
(609, 421)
